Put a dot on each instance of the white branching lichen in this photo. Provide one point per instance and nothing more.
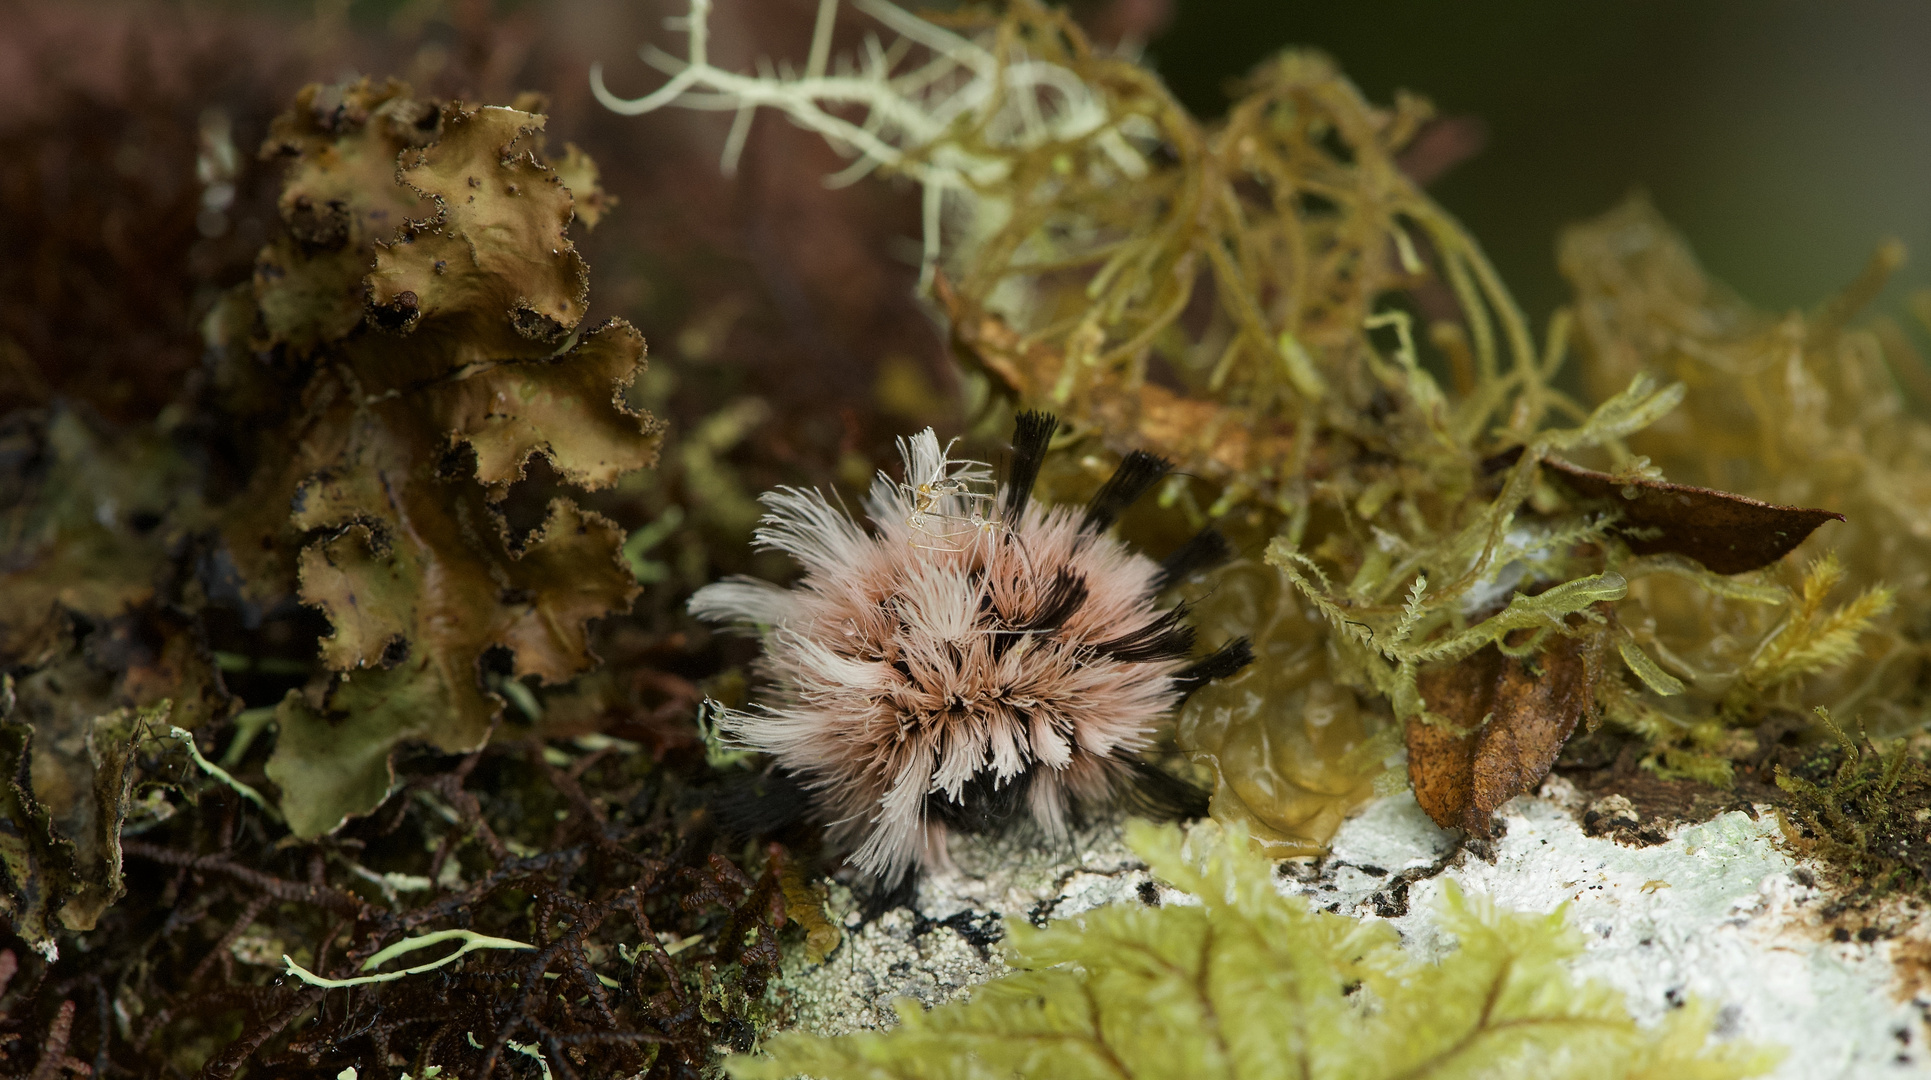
(946, 110)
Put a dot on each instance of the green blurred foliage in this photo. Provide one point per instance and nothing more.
(1785, 139)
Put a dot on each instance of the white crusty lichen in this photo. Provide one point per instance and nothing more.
(947, 941)
(1720, 912)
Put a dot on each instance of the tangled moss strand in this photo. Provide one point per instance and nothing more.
(1864, 810)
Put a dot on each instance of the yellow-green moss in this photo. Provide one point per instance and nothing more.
(1251, 984)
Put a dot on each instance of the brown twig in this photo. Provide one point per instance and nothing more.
(320, 895)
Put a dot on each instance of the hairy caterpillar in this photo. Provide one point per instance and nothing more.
(973, 660)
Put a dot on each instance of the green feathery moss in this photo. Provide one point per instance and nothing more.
(1254, 984)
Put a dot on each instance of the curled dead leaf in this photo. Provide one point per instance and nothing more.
(1727, 533)
(1511, 717)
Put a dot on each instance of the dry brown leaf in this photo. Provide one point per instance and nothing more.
(1212, 439)
(1727, 533)
(1511, 718)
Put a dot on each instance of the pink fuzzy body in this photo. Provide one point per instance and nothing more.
(938, 650)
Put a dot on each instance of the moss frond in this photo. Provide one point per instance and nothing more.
(1813, 637)
(1252, 984)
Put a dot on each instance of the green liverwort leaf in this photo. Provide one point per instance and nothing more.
(1255, 985)
(428, 282)
(340, 144)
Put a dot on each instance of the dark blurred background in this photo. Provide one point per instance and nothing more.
(1786, 139)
